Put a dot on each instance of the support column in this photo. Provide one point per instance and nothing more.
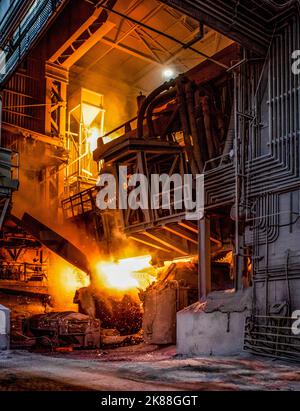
(239, 262)
(204, 253)
(57, 79)
(240, 172)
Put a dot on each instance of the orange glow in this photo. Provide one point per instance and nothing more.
(72, 279)
(228, 258)
(89, 113)
(63, 282)
(125, 275)
(179, 260)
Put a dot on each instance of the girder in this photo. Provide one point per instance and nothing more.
(249, 22)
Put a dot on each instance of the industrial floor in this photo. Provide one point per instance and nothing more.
(142, 367)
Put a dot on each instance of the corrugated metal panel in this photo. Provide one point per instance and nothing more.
(27, 31)
(11, 13)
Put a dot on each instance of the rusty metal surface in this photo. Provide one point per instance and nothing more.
(66, 328)
(55, 242)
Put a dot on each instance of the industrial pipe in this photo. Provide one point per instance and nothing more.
(190, 98)
(230, 136)
(140, 119)
(180, 86)
(279, 8)
(207, 121)
(156, 102)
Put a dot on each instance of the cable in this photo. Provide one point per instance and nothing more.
(184, 45)
(33, 105)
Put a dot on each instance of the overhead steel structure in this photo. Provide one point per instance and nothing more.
(234, 117)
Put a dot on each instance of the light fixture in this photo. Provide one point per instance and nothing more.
(168, 73)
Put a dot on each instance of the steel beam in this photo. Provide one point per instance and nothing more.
(180, 234)
(166, 243)
(75, 37)
(149, 244)
(204, 252)
(161, 33)
(87, 44)
(189, 227)
(125, 35)
(130, 51)
(56, 100)
(11, 128)
(232, 20)
(55, 242)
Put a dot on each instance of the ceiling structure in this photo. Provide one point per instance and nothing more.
(134, 54)
(251, 23)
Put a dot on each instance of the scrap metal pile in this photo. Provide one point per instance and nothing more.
(123, 314)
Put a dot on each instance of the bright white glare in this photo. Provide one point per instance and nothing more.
(168, 73)
(94, 133)
(87, 172)
(89, 113)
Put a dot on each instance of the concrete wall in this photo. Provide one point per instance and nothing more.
(4, 327)
(215, 327)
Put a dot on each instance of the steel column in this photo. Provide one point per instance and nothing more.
(204, 252)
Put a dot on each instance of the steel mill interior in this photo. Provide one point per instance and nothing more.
(206, 89)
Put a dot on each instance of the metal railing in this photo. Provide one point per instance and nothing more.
(23, 272)
(272, 336)
(80, 203)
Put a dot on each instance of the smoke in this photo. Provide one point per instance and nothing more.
(34, 159)
(40, 198)
(63, 281)
(119, 96)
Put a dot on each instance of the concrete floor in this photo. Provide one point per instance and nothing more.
(142, 368)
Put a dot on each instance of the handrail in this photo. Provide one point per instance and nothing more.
(119, 127)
